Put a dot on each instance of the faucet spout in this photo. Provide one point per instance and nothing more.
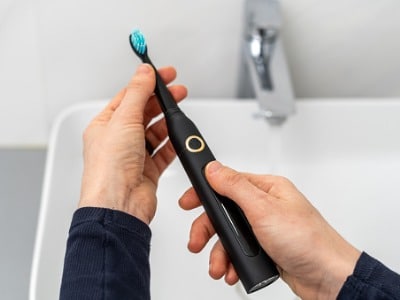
(264, 73)
(261, 44)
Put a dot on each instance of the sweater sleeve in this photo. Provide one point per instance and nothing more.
(107, 257)
(371, 280)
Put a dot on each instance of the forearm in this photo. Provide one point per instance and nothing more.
(107, 256)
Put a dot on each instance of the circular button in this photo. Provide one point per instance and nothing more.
(194, 144)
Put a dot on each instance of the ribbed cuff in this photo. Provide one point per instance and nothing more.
(371, 280)
(112, 217)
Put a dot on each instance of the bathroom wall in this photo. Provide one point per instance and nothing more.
(22, 104)
(21, 173)
(55, 53)
(86, 53)
(343, 48)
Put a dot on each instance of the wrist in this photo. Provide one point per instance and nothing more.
(110, 193)
(329, 271)
(338, 268)
(101, 191)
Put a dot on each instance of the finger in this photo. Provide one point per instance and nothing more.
(235, 186)
(200, 233)
(231, 276)
(219, 261)
(106, 114)
(277, 186)
(263, 182)
(140, 88)
(164, 156)
(179, 92)
(153, 109)
(167, 74)
(220, 265)
(149, 147)
(159, 146)
(189, 200)
(156, 133)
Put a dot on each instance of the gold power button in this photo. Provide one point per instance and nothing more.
(195, 144)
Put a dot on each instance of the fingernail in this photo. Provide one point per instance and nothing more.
(213, 167)
(143, 69)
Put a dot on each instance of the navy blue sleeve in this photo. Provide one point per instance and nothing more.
(107, 257)
(371, 280)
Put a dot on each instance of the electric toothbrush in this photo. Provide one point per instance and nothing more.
(253, 266)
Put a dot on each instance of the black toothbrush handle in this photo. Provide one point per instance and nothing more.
(253, 266)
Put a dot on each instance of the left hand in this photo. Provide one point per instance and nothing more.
(118, 172)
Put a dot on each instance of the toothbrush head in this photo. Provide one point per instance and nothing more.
(138, 42)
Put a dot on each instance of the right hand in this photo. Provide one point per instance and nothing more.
(312, 258)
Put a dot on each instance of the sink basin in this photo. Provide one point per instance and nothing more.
(344, 155)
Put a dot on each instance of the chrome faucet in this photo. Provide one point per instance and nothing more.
(264, 74)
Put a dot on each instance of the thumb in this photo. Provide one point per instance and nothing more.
(138, 92)
(235, 186)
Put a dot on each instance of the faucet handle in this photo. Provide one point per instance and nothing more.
(262, 14)
(265, 73)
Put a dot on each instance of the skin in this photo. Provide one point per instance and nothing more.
(118, 172)
(312, 258)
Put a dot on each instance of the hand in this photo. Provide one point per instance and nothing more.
(312, 258)
(118, 172)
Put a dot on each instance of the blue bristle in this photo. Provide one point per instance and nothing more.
(138, 41)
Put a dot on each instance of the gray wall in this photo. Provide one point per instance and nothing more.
(21, 173)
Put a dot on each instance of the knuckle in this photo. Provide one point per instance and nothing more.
(134, 84)
(282, 181)
(138, 85)
(282, 186)
(233, 178)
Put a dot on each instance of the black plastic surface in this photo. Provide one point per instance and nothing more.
(253, 266)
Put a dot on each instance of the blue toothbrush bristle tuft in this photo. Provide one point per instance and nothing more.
(138, 41)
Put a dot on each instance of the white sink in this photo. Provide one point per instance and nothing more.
(344, 155)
